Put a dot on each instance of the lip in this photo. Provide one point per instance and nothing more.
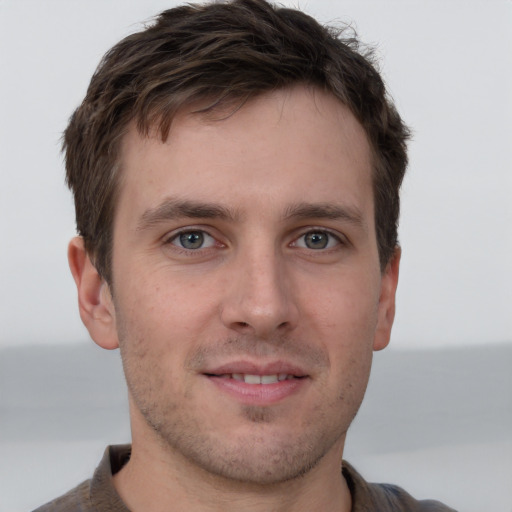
(257, 394)
(250, 367)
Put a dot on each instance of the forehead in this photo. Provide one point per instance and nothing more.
(285, 146)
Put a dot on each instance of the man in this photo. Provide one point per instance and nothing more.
(236, 168)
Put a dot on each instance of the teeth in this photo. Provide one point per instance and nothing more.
(261, 379)
(252, 379)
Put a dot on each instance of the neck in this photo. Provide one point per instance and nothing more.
(157, 479)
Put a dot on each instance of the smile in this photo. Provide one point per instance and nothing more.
(261, 388)
(258, 379)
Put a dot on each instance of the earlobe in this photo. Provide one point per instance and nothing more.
(94, 298)
(386, 311)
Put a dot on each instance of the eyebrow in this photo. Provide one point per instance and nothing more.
(171, 209)
(326, 211)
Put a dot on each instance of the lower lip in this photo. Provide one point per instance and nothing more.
(259, 394)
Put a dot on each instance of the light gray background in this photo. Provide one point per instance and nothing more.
(448, 64)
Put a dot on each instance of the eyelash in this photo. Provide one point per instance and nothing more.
(189, 231)
(320, 231)
(340, 241)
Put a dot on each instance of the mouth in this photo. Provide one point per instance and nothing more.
(249, 378)
(254, 384)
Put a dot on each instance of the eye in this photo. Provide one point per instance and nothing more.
(317, 240)
(193, 240)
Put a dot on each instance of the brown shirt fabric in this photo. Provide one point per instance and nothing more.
(99, 495)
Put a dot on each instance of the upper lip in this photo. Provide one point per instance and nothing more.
(253, 368)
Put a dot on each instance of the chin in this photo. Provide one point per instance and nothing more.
(259, 453)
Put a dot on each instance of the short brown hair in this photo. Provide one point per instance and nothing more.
(222, 52)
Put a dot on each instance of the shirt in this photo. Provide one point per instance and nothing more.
(99, 495)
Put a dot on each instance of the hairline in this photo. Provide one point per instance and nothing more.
(206, 108)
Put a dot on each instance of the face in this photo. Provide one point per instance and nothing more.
(247, 293)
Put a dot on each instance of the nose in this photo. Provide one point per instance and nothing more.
(259, 299)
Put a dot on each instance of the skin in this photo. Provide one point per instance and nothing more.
(265, 188)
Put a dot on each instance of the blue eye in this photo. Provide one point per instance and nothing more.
(192, 240)
(317, 240)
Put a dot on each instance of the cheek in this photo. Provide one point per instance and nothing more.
(345, 318)
(346, 311)
(161, 297)
(161, 317)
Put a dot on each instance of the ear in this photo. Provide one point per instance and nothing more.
(94, 299)
(386, 308)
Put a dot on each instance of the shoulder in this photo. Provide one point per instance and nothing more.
(372, 497)
(396, 497)
(97, 493)
(75, 500)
